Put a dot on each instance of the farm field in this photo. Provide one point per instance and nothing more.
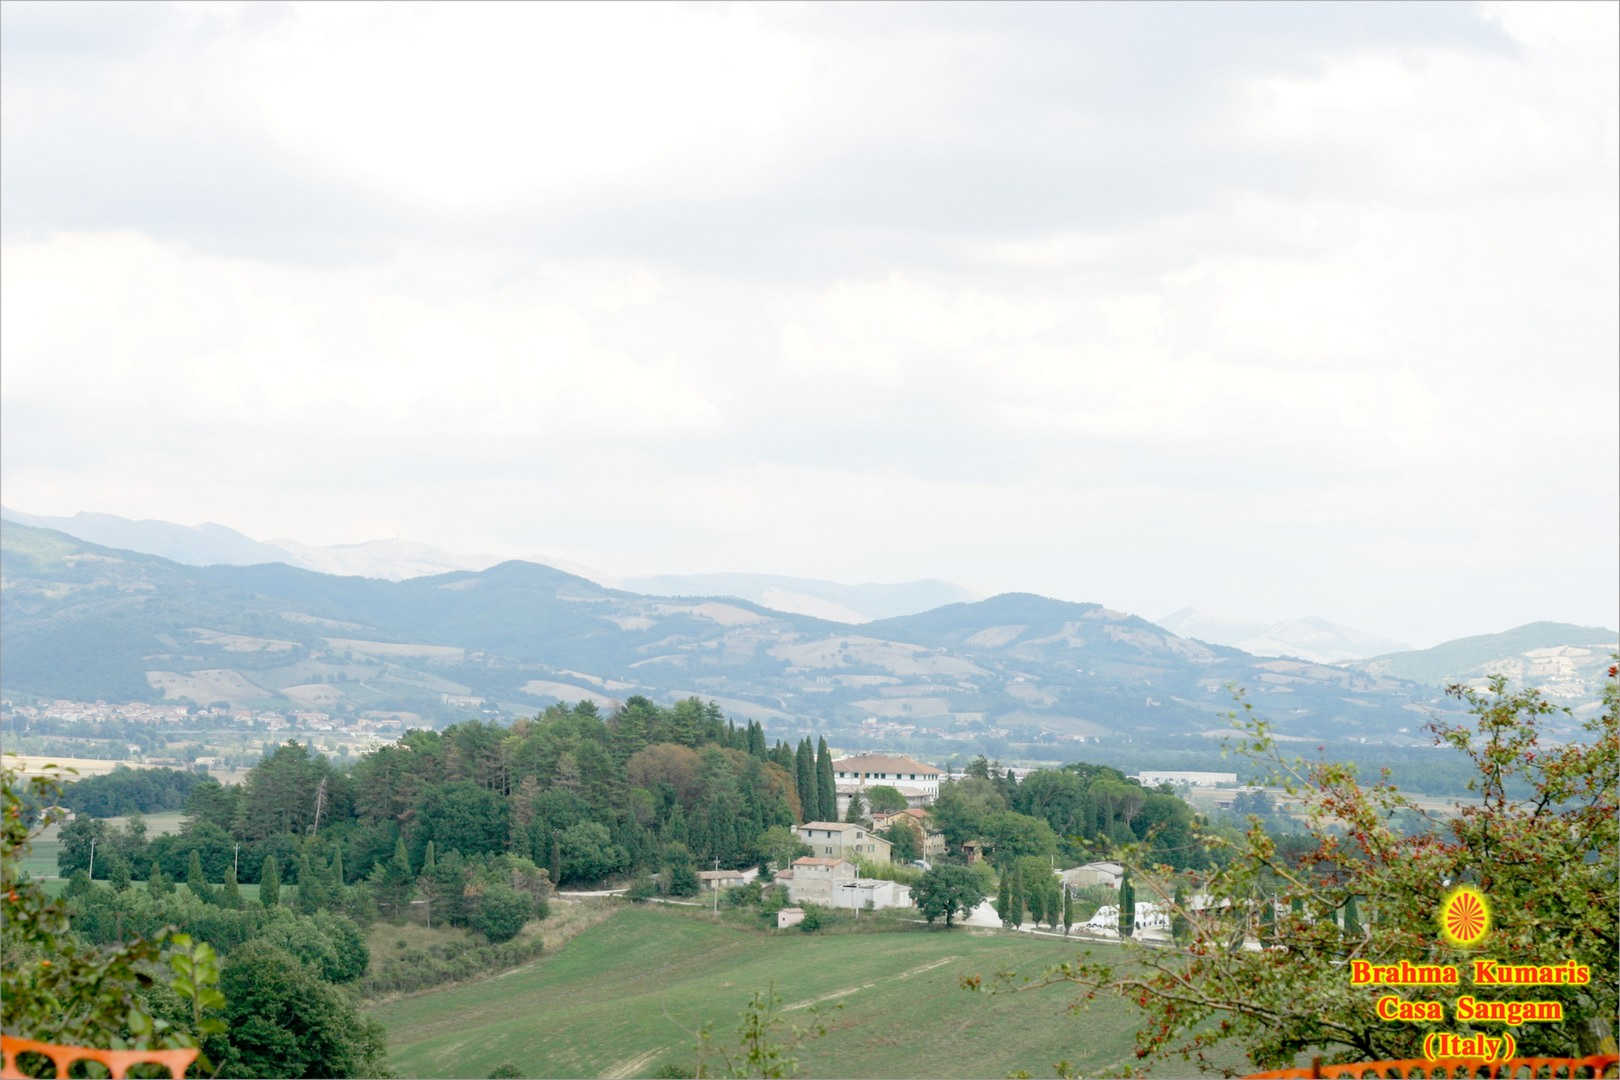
(627, 996)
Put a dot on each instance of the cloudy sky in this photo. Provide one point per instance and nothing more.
(1269, 310)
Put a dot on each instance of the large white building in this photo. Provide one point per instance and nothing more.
(919, 783)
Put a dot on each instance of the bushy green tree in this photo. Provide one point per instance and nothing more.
(902, 838)
(502, 911)
(284, 1020)
(885, 799)
(947, 891)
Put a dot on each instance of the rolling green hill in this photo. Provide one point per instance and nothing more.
(627, 996)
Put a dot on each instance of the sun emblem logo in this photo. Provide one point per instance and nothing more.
(1465, 917)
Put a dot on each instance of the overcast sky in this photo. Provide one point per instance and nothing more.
(1269, 310)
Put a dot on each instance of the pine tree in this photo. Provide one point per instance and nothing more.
(805, 769)
(429, 859)
(155, 883)
(826, 790)
(308, 899)
(392, 880)
(270, 882)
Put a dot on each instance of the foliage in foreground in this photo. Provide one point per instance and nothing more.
(58, 988)
(1268, 937)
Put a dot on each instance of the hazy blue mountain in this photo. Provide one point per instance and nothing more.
(197, 545)
(85, 621)
(809, 596)
(1308, 637)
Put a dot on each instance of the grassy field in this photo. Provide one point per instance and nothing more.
(626, 996)
(40, 862)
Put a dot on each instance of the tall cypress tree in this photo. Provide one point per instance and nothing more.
(230, 895)
(1017, 900)
(1127, 906)
(194, 877)
(1352, 919)
(155, 883)
(270, 882)
(805, 768)
(1068, 910)
(1004, 900)
(826, 790)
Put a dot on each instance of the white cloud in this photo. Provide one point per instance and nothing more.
(1246, 311)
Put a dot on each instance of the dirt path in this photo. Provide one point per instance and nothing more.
(941, 962)
(630, 1066)
(845, 992)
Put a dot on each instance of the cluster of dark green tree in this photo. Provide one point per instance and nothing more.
(1031, 892)
(131, 791)
(1065, 815)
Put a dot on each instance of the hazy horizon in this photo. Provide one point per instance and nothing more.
(1268, 311)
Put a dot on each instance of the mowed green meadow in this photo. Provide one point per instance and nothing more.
(627, 996)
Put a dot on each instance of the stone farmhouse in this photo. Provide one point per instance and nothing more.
(832, 882)
(1093, 873)
(919, 783)
(842, 840)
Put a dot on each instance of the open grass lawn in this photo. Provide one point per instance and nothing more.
(626, 996)
(159, 824)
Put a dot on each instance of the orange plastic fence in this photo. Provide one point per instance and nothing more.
(117, 1061)
(1596, 1065)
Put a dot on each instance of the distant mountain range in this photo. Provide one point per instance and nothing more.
(400, 560)
(1308, 638)
(86, 621)
(807, 596)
